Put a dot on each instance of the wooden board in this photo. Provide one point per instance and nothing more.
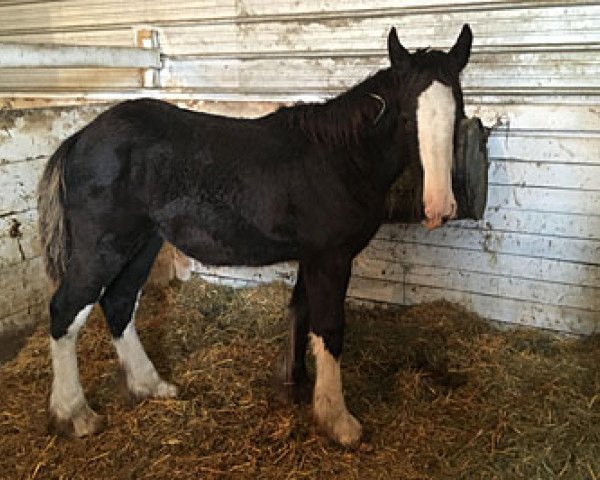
(301, 74)
(521, 266)
(498, 308)
(496, 241)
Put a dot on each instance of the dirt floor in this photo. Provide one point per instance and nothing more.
(12, 342)
(441, 395)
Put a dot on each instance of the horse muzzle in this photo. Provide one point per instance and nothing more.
(469, 184)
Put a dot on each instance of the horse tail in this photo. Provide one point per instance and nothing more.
(52, 224)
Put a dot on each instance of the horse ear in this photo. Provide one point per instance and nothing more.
(398, 54)
(462, 48)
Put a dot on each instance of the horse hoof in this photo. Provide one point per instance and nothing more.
(164, 390)
(343, 428)
(136, 393)
(82, 424)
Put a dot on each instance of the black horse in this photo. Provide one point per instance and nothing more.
(304, 183)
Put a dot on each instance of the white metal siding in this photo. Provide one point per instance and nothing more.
(535, 71)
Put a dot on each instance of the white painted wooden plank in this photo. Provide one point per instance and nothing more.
(344, 31)
(25, 246)
(36, 133)
(514, 311)
(80, 13)
(553, 147)
(281, 272)
(558, 294)
(69, 14)
(532, 222)
(18, 183)
(490, 241)
(544, 200)
(333, 75)
(496, 308)
(542, 119)
(117, 37)
(409, 7)
(261, 7)
(548, 175)
(518, 266)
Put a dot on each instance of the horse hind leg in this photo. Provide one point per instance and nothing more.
(70, 413)
(119, 303)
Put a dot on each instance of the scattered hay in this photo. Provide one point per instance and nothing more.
(441, 394)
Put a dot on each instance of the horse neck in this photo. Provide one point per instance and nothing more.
(343, 120)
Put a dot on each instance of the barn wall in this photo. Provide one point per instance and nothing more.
(27, 138)
(534, 259)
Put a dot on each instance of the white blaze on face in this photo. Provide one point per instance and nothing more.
(436, 112)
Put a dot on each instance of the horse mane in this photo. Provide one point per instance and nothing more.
(344, 119)
(347, 118)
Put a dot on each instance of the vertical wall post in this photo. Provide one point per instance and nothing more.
(148, 38)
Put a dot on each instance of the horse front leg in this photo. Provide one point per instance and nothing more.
(326, 279)
(296, 385)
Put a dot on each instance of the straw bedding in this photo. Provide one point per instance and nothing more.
(441, 393)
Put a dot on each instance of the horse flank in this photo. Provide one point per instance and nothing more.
(52, 224)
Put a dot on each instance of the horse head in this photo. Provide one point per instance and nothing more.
(430, 103)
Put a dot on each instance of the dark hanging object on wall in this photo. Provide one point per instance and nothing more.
(469, 179)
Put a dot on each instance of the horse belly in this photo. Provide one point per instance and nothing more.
(216, 236)
(248, 251)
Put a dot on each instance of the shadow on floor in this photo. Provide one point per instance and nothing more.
(12, 342)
